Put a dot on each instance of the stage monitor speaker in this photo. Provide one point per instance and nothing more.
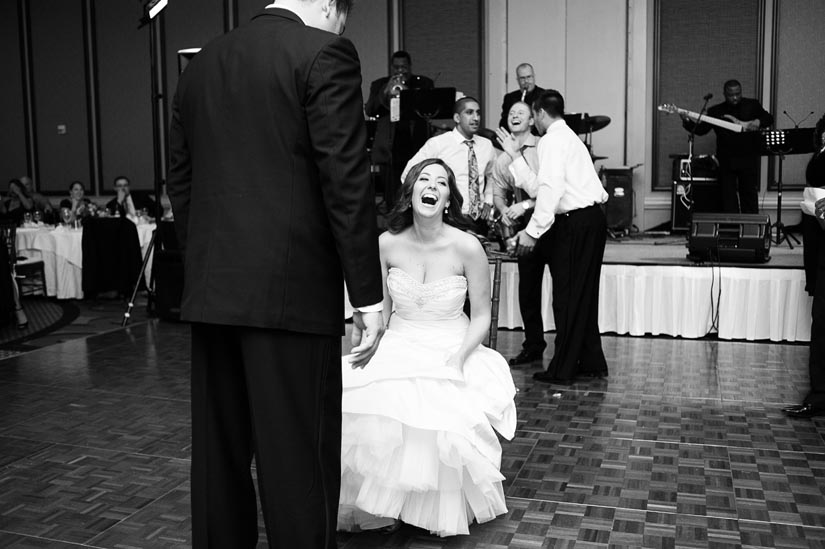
(734, 238)
(167, 271)
(618, 182)
(695, 190)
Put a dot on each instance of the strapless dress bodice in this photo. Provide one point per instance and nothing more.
(441, 299)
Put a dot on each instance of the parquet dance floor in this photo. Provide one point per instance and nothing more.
(682, 446)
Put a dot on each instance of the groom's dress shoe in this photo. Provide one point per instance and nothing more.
(793, 408)
(526, 356)
(804, 411)
(600, 374)
(545, 377)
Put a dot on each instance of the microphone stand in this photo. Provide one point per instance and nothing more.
(689, 189)
(693, 131)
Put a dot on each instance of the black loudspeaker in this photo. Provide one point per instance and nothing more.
(695, 190)
(618, 182)
(742, 238)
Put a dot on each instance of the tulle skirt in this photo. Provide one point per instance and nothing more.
(418, 438)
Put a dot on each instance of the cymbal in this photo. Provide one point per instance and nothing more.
(442, 124)
(598, 122)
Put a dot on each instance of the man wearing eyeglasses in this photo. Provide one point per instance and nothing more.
(527, 92)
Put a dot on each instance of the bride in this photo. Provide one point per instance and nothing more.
(418, 443)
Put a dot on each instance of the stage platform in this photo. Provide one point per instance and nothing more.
(649, 287)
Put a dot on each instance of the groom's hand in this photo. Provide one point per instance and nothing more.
(367, 331)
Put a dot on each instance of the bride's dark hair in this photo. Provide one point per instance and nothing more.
(401, 216)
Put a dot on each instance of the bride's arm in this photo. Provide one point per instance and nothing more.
(384, 245)
(478, 285)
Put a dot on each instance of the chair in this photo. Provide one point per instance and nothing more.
(29, 273)
(496, 259)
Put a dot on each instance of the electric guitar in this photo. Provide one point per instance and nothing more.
(695, 116)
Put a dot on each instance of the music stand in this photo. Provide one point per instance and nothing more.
(427, 105)
(780, 143)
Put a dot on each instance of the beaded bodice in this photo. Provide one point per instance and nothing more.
(441, 299)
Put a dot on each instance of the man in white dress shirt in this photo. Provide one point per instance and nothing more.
(569, 230)
(469, 155)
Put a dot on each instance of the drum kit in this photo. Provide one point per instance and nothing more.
(583, 124)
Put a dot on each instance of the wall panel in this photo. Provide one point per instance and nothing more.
(800, 76)
(595, 73)
(702, 43)
(12, 138)
(368, 28)
(59, 92)
(444, 40)
(536, 31)
(124, 93)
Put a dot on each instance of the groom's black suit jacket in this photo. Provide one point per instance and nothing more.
(269, 179)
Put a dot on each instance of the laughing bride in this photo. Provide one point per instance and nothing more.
(418, 442)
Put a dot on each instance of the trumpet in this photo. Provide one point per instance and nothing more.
(398, 82)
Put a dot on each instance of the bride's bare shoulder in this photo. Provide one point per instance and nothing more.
(388, 239)
(465, 242)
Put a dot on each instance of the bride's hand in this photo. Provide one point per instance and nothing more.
(456, 361)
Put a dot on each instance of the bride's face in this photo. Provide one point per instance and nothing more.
(431, 191)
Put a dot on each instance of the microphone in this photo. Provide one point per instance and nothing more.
(795, 123)
(708, 97)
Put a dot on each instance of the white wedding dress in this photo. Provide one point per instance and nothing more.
(418, 441)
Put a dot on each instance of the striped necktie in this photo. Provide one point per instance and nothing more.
(473, 183)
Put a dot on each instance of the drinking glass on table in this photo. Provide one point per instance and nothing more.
(27, 218)
(37, 216)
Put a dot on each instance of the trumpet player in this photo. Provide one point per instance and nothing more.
(400, 78)
(394, 143)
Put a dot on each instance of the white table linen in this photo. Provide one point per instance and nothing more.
(61, 250)
(752, 303)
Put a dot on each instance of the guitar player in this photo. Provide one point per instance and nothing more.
(738, 168)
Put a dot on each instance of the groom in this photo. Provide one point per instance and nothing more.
(269, 183)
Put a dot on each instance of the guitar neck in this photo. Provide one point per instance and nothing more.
(695, 117)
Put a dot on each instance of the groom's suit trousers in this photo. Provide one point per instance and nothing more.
(274, 395)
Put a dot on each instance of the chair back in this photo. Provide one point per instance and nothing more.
(8, 234)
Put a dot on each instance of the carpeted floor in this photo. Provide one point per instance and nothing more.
(44, 317)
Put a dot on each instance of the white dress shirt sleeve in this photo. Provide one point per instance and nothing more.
(375, 308)
(551, 184)
(524, 176)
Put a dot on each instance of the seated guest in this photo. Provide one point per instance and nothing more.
(470, 156)
(127, 203)
(79, 205)
(18, 202)
(41, 202)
